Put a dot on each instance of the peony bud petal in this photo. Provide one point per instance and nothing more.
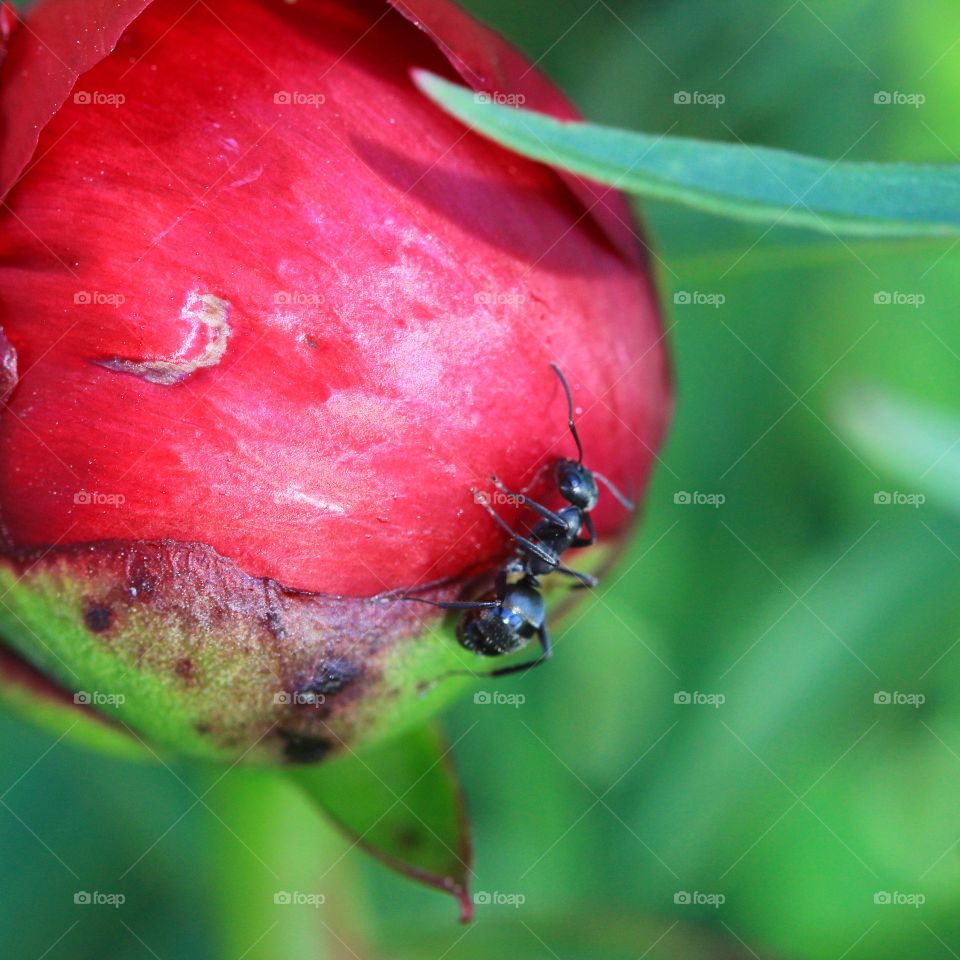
(298, 315)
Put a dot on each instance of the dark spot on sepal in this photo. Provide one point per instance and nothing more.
(141, 584)
(331, 677)
(98, 618)
(299, 748)
(184, 668)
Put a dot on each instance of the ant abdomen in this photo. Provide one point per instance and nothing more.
(484, 632)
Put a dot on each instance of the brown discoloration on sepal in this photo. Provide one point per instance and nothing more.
(213, 661)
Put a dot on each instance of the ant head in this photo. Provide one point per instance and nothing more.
(575, 481)
(577, 485)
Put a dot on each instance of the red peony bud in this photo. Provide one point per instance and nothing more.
(269, 316)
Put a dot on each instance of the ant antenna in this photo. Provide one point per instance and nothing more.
(573, 426)
(623, 500)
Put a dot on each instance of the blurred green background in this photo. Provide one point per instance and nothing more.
(783, 814)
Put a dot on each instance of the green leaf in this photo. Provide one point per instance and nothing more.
(918, 445)
(25, 692)
(734, 180)
(402, 803)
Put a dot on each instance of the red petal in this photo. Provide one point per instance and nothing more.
(8, 22)
(62, 39)
(67, 37)
(8, 368)
(488, 63)
(328, 440)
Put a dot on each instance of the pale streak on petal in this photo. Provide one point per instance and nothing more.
(205, 313)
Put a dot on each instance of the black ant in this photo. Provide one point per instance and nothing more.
(560, 530)
(515, 612)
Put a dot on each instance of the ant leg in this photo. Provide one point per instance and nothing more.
(589, 540)
(544, 512)
(546, 653)
(624, 502)
(529, 545)
(456, 604)
(586, 580)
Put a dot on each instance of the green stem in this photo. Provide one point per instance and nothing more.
(270, 846)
